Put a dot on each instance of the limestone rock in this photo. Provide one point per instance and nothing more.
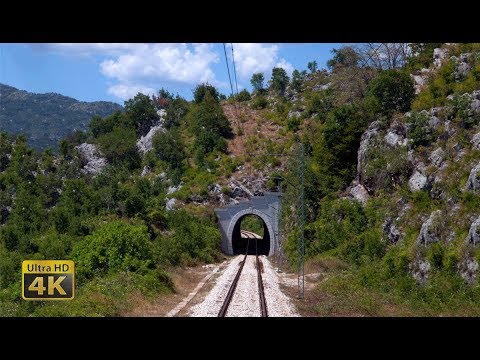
(419, 269)
(430, 231)
(170, 205)
(95, 163)
(145, 171)
(476, 141)
(439, 55)
(360, 193)
(144, 144)
(391, 231)
(367, 136)
(473, 236)
(437, 157)
(462, 66)
(468, 269)
(473, 182)
(418, 181)
(172, 189)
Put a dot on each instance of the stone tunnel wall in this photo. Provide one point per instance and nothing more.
(266, 207)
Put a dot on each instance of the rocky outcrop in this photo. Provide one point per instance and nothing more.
(439, 55)
(473, 182)
(359, 193)
(172, 189)
(437, 157)
(476, 141)
(462, 66)
(419, 269)
(431, 229)
(144, 144)
(391, 231)
(473, 236)
(396, 135)
(420, 79)
(170, 205)
(418, 181)
(95, 163)
(367, 137)
(468, 269)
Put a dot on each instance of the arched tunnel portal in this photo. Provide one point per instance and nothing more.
(266, 207)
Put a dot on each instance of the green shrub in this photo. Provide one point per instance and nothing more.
(116, 246)
(120, 146)
(435, 256)
(419, 132)
(259, 102)
(393, 89)
(366, 247)
(293, 124)
(170, 148)
(193, 241)
(201, 90)
(243, 95)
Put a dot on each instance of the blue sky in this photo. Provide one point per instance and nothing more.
(116, 72)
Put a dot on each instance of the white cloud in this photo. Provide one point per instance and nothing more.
(252, 58)
(127, 91)
(285, 66)
(133, 68)
(171, 62)
(142, 67)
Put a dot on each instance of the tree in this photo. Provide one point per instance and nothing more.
(99, 126)
(210, 126)
(384, 56)
(312, 66)
(140, 113)
(345, 56)
(176, 111)
(116, 246)
(119, 145)
(257, 82)
(279, 80)
(393, 89)
(297, 80)
(201, 90)
(169, 147)
(243, 95)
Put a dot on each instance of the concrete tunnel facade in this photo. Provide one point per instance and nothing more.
(266, 207)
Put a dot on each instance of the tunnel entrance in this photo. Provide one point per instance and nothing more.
(250, 230)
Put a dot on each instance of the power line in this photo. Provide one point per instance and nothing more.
(228, 68)
(234, 70)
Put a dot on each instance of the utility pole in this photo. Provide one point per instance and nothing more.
(301, 221)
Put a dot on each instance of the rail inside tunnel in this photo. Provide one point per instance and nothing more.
(251, 224)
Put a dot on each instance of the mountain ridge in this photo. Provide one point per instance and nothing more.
(38, 115)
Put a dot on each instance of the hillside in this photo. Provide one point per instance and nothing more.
(46, 118)
(391, 177)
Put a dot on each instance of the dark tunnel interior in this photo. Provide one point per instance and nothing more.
(239, 244)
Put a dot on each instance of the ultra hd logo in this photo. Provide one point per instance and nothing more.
(48, 279)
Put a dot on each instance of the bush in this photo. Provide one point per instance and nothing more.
(243, 95)
(201, 90)
(120, 146)
(193, 241)
(116, 246)
(364, 248)
(463, 113)
(419, 132)
(293, 124)
(393, 89)
(260, 102)
(170, 148)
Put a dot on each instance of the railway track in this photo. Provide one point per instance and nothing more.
(231, 291)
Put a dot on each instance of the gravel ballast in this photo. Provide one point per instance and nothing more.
(245, 301)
